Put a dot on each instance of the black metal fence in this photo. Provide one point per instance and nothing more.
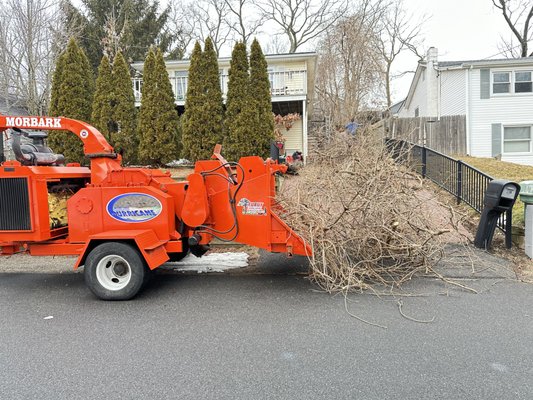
(465, 182)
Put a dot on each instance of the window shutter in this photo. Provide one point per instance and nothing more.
(484, 89)
(496, 140)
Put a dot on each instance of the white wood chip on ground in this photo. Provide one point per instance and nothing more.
(213, 262)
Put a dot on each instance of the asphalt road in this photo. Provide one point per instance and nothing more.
(263, 337)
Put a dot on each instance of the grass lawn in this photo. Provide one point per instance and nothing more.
(503, 170)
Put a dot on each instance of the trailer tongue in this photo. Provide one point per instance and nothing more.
(124, 222)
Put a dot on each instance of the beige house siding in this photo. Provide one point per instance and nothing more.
(292, 86)
(294, 138)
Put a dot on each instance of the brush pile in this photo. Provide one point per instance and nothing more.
(360, 212)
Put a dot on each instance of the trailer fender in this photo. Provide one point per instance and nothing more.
(152, 249)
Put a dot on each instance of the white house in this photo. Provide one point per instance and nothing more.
(292, 83)
(496, 96)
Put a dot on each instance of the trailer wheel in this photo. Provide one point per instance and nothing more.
(115, 271)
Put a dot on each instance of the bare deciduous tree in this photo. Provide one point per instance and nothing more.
(276, 45)
(517, 15)
(244, 26)
(303, 20)
(349, 76)
(28, 48)
(210, 18)
(113, 41)
(399, 32)
(182, 26)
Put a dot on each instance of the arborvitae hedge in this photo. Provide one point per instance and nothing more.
(158, 118)
(213, 106)
(203, 121)
(241, 138)
(192, 119)
(261, 97)
(125, 138)
(72, 95)
(102, 115)
(147, 110)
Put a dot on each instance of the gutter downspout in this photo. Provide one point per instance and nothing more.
(304, 130)
(467, 113)
(439, 90)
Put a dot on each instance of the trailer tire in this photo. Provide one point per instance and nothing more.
(115, 271)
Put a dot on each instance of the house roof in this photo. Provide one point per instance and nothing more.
(482, 63)
(395, 108)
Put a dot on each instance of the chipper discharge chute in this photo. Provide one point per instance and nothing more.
(124, 222)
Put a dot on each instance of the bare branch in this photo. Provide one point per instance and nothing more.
(28, 47)
(349, 66)
(211, 20)
(182, 27)
(242, 25)
(399, 32)
(517, 15)
(303, 20)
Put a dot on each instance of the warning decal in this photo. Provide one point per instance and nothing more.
(252, 207)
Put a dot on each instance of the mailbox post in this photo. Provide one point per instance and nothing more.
(500, 197)
(526, 196)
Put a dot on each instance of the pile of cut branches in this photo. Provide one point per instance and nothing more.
(360, 212)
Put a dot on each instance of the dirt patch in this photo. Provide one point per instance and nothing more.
(445, 216)
(180, 173)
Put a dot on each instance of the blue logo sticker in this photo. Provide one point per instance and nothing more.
(134, 207)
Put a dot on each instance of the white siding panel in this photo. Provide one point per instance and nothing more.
(453, 92)
(419, 100)
(299, 66)
(506, 110)
(294, 138)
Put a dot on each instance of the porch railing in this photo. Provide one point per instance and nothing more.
(282, 83)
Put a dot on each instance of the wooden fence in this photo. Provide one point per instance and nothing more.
(447, 135)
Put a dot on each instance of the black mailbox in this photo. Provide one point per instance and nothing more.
(500, 197)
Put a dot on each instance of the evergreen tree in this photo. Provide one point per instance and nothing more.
(72, 95)
(125, 138)
(168, 122)
(158, 118)
(138, 25)
(102, 116)
(213, 105)
(240, 111)
(192, 119)
(56, 83)
(264, 123)
(203, 120)
(88, 81)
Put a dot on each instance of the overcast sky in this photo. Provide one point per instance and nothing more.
(459, 29)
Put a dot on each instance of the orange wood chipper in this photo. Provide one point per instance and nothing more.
(122, 222)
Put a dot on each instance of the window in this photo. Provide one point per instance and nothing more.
(417, 112)
(522, 82)
(181, 84)
(517, 139)
(512, 82)
(277, 81)
(501, 82)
